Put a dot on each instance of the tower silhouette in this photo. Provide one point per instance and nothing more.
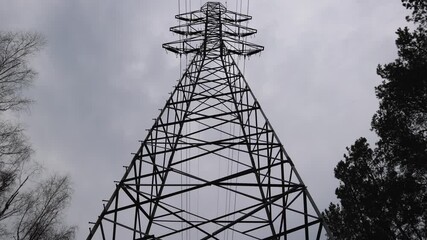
(211, 166)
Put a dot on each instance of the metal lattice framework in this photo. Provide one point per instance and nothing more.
(211, 167)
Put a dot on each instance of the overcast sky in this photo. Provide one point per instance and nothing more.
(103, 76)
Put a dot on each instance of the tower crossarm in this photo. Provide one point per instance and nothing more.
(213, 27)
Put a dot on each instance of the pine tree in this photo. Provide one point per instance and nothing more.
(383, 190)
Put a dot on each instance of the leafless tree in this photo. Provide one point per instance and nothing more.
(14, 154)
(25, 214)
(15, 75)
(40, 218)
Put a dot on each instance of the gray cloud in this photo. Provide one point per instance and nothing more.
(103, 75)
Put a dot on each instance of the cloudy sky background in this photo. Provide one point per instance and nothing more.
(103, 75)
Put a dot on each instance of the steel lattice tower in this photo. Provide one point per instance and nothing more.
(211, 166)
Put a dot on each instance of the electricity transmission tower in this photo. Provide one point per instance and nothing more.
(211, 166)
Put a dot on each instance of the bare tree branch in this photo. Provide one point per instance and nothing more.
(28, 211)
(15, 75)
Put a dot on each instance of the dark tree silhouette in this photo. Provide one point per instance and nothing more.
(419, 11)
(383, 191)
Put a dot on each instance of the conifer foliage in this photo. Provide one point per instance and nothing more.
(383, 190)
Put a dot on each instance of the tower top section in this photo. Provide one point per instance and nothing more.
(213, 28)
